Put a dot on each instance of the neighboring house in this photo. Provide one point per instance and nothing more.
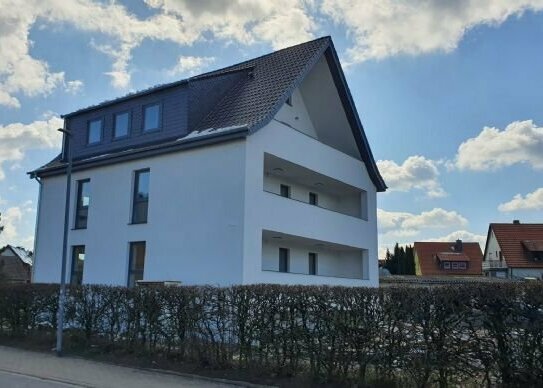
(514, 251)
(448, 258)
(256, 173)
(15, 265)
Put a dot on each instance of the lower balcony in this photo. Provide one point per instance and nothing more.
(289, 254)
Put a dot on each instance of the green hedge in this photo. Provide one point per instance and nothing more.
(487, 334)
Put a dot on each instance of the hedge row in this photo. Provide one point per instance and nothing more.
(475, 335)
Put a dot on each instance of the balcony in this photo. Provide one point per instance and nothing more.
(290, 255)
(494, 264)
(301, 184)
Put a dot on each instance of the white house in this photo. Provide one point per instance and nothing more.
(514, 251)
(256, 173)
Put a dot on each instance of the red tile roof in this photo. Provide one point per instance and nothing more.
(427, 253)
(452, 256)
(510, 237)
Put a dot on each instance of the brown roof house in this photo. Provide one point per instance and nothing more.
(15, 265)
(448, 258)
(514, 251)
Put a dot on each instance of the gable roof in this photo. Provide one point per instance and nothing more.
(428, 252)
(257, 96)
(510, 238)
(21, 253)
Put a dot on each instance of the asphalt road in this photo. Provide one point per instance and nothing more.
(27, 369)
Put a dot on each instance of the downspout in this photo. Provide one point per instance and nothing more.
(34, 176)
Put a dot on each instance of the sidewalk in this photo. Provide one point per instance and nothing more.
(33, 369)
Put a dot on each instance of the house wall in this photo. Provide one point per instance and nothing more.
(12, 268)
(492, 248)
(296, 115)
(194, 231)
(266, 211)
(527, 273)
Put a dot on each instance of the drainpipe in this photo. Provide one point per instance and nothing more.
(34, 176)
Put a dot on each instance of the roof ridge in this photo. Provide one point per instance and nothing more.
(326, 37)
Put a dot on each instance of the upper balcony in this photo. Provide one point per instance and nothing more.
(301, 184)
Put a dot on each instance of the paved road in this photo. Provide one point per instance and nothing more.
(26, 369)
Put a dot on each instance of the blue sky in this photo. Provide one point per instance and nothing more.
(449, 94)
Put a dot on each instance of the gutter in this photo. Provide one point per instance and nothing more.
(149, 151)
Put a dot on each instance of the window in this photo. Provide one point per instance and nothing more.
(137, 262)
(454, 265)
(141, 197)
(312, 263)
(462, 265)
(151, 117)
(313, 199)
(446, 265)
(94, 134)
(83, 200)
(122, 121)
(283, 260)
(289, 100)
(78, 261)
(285, 191)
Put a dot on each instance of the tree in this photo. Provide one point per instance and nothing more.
(402, 261)
(1, 226)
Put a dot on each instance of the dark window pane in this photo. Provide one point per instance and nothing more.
(151, 117)
(83, 201)
(141, 197)
(78, 263)
(313, 199)
(137, 262)
(95, 132)
(283, 259)
(121, 124)
(312, 263)
(285, 191)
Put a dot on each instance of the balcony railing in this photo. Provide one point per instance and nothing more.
(494, 264)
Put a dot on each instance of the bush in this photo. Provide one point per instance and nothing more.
(481, 334)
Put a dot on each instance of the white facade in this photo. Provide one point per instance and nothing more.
(215, 215)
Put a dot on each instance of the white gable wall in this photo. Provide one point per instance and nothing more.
(194, 231)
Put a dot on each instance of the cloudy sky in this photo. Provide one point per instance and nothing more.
(450, 92)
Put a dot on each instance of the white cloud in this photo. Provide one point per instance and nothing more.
(519, 142)
(532, 201)
(278, 23)
(13, 219)
(17, 138)
(463, 235)
(408, 224)
(416, 172)
(73, 87)
(190, 65)
(383, 28)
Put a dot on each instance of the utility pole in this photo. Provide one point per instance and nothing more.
(62, 293)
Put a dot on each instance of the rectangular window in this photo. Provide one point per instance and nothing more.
(289, 101)
(285, 191)
(283, 260)
(313, 199)
(462, 265)
(137, 262)
(446, 265)
(141, 197)
(122, 121)
(78, 262)
(94, 134)
(83, 200)
(151, 117)
(312, 263)
(454, 265)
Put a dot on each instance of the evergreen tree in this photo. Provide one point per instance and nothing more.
(402, 261)
(1, 226)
